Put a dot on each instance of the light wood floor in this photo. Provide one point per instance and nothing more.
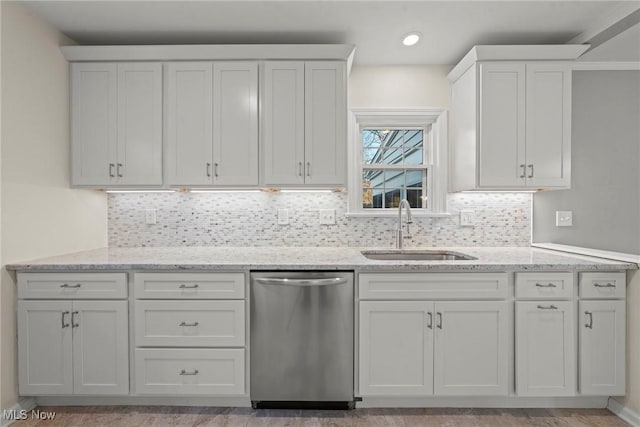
(133, 416)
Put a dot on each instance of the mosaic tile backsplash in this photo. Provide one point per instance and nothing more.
(250, 219)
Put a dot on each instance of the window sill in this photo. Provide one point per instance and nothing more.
(394, 213)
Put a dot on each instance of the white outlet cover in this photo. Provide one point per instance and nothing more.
(467, 218)
(283, 216)
(327, 216)
(150, 216)
(564, 218)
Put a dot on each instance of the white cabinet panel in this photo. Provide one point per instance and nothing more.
(602, 347)
(235, 123)
(502, 124)
(189, 285)
(44, 348)
(396, 348)
(545, 348)
(603, 285)
(189, 103)
(72, 285)
(190, 323)
(100, 347)
(471, 348)
(544, 285)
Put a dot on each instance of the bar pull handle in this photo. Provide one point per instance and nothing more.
(439, 325)
(608, 285)
(209, 170)
(183, 286)
(547, 307)
(184, 372)
(215, 169)
(300, 282)
(524, 171)
(118, 170)
(309, 169)
(531, 171)
(189, 324)
(68, 286)
(73, 320)
(430, 324)
(64, 325)
(299, 168)
(111, 166)
(590, 323)
(548, 285)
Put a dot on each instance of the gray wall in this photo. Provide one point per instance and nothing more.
(605, 158)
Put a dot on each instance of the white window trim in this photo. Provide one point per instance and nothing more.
(436, 164)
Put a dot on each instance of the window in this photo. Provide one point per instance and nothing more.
(394, 156)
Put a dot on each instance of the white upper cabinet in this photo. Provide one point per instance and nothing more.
(304, 123)
(212, 124)
(511, 118)
(116, 121)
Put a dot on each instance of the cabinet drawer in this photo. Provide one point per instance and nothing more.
(189, 323)
(544, 285)
(189, 285)
(190, 371)
(72, 285)
(400, 286)
(603, 285)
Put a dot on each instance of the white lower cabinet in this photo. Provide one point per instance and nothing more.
(545, 348)
(73, 347)
(420, 348)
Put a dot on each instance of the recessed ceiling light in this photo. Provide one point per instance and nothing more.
(411, 38)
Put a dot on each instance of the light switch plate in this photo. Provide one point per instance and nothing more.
(327, 216)
(283, 216)
(564, 218)
(150, 216)
(467, 218)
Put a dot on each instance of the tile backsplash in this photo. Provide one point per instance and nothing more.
(250, 219)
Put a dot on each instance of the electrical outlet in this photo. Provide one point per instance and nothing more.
(283, 216)
(327, 216)
(467, 218)
(150, 216)
(564, 218)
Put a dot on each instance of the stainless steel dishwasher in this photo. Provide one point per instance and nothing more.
(301, 339)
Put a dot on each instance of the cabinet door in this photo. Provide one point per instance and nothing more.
(235, 123)
(396, 348)
(325, 123)
(548, 147)
(139, 124)
(189, 103)
(502, 125)
(545, 348)
(100, 347)
(283, 123)
(93, 124)
(471, 348)
(602, 348)
(44, 348)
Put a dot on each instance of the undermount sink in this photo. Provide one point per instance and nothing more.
(416, 255)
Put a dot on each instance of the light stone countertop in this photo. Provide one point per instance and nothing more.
(312, 258)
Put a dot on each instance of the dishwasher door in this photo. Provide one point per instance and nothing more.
(301, 345)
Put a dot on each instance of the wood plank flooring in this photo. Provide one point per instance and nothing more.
(161, 416)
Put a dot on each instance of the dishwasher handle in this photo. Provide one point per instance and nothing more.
(281, 281)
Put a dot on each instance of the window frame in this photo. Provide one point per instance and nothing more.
(434, 123)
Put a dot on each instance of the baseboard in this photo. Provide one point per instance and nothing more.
(24, 404)
(623, 412)
(239, 401)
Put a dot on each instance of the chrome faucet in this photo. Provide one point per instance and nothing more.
(399, 236)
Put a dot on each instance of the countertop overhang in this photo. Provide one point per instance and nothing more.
(312, 258)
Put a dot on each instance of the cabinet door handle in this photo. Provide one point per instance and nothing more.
(183, 286)
(590, 323)
(524, 171)
(184, 372)
(209, 170)
(608, 285)
(73, 320)
(68, 286)
(531, 171)
(215, 169)
(439, 325)
(548, 285)
(430, 324)
(308, 168)
(64, 325)
(189, 324)
(547, 307)
(299, 168)
(118, 170)
(111, 166)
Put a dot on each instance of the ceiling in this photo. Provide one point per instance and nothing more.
(449, 28)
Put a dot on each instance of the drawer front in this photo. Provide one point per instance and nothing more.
(603, 285)
(72, 285)
(189, 285)
(190, 371)
(544, 285)
(402, 286)
(190, 323)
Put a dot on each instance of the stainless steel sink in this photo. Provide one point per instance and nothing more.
(416, 255)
